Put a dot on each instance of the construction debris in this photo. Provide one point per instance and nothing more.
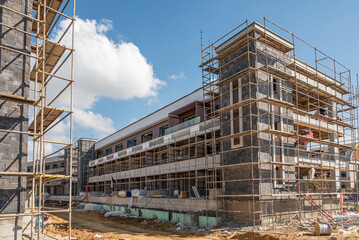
(116, 214)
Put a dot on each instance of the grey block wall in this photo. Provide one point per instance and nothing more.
(255, 179)
(86, 153)
(14, 79)
(248, 152)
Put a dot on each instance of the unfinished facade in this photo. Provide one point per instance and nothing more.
(28, 91)
(84, 152)
(270, 137)
(14, 80)
(129, 155)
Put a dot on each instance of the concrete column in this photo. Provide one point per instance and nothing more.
(14, 79)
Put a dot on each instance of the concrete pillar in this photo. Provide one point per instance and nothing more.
(14, 79)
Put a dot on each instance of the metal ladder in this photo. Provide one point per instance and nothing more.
(331, 220)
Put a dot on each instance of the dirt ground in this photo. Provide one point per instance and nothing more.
(93, 225)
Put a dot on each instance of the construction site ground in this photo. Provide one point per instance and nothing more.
(93, 225)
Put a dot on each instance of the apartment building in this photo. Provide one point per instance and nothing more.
(265, 131)
(137, 157)
(55, 165)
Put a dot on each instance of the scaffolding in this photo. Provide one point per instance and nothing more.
(295, 124)
(48, 56)
(276, 136)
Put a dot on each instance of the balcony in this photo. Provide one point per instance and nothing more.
(186, 130)
(183, 125)
(325, 161)
(55, 170)
(167, 168)
(317, 124)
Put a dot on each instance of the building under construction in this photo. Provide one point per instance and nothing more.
(267, 136)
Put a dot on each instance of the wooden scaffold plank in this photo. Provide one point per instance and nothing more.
(53, 54)
(50, 15)
(17, 99)
(50, 115)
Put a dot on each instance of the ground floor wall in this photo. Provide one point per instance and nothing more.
(60, 187)
(265, 212)
(207, 213)
(184, 205)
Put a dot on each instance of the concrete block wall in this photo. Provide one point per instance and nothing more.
(249, 211)
(279, 60)
(232, 65)
(255, 147)
(86, 153)
(237, 61)
(14, 79)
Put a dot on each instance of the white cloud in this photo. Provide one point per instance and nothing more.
(60, 132)
(90, 120)
(176, 77)
(104, 68)
(104, 26)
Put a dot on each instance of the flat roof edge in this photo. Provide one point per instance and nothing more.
(141, 119)
(252, 26)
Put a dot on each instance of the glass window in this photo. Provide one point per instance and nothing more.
(276, 88)
(236, 126)
(147, 137)
(163, 130)
(235, 92)
(108, 151)
(118, 147)
(236, 113)
(131, 143)
(185, 119)
(99, 155)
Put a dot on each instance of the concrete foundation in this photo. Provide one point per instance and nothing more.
(188, 219)
(192, 212)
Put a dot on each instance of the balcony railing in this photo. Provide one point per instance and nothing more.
(158, 141)
(55, 170)
(183, 125)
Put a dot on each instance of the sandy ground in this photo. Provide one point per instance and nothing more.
(87, 225)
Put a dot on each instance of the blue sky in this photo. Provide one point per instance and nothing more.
(167, 33)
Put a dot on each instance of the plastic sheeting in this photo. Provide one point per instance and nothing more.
(116, 214)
